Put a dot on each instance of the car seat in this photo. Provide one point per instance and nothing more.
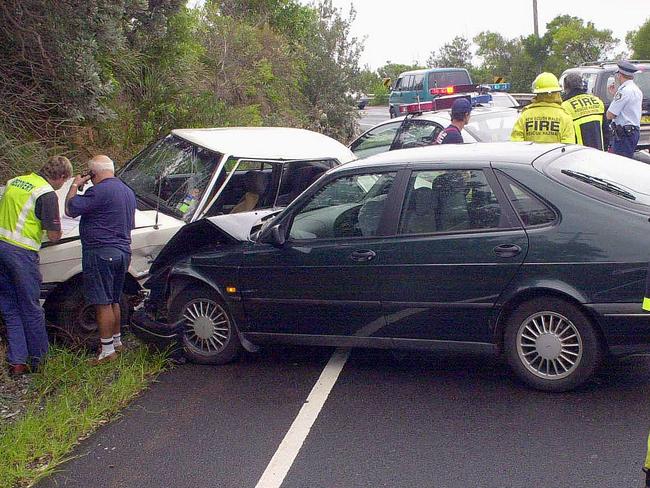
(420, 215)
(255, 185)
(451, 194)
(299, 180)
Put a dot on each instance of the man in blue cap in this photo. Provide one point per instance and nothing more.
(460, 111)
(625, 111)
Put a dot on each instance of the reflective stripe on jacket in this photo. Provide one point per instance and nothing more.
(544, 122)
(587, 113)
(18, 223)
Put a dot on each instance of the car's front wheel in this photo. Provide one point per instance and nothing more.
(552, 345)
(210, 334)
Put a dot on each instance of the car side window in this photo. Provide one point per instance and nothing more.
(417, 133)
(531, 210)
(418, 82)
(349, 206)
(407, 84)
(376, 140)
(449, 201)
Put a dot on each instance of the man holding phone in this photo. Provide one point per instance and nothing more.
(107, 211)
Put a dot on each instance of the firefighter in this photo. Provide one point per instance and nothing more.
(646, 465)
(29, 208)
(544, 120)
(625, 111)
(460, 112)
(586, 110)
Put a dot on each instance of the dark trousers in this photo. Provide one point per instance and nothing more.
(626, 144)
(20, 290)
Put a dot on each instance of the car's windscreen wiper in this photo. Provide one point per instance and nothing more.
(599, 183)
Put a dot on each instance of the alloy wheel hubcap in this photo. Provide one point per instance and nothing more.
(207, 326)
(549, 345)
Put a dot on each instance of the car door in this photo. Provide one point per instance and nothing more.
(416, 133)
(324, 279)
(456, 246)
(377, 140)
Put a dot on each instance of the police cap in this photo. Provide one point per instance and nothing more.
(626, 68)
(461, 107)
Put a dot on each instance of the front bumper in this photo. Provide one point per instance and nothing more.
(159, 334)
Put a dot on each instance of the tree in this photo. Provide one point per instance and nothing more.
(393, 70)
(455, 54)
(573, 42)
(639, 41)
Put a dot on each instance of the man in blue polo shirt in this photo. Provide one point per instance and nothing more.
(107, 211)
(460, 111)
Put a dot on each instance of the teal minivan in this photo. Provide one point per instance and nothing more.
(414, 86)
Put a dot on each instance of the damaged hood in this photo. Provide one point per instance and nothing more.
(205, 234)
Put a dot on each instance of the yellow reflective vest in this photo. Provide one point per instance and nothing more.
(544, 122)
(587, 113)
(18, 222)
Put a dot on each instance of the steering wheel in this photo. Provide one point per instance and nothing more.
(345, 224)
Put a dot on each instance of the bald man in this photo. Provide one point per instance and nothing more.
(107, 211)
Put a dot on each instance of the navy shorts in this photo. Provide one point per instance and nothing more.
(104, 271)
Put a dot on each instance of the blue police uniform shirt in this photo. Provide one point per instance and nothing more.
(107, 215)
(627, 104)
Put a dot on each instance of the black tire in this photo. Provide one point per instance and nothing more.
(74, 320)
(564, 354)
(206, 343)
(391, 112)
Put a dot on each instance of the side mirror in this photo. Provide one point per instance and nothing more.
(275, 237)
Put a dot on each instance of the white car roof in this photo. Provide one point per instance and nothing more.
(281, 143)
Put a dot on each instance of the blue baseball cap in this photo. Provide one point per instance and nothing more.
(626, 68)
(461, 106)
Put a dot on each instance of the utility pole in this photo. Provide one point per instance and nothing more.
(535, 18)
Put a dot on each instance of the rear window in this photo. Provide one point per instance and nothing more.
(492, 127)
(605, 176)
(448, 78)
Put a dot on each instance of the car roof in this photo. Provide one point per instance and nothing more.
(283, 143)
(445, 114)
(516, 152)
(430, 70)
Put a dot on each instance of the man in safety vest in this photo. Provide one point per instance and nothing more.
(586, 110)
(28, 208)
(544, 120)
(646, 465)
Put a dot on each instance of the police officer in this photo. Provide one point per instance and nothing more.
(625, 111)
(28, 207)
(544, 120)
(460, 112)
(586, 110)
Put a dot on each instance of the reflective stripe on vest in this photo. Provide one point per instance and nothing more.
(587, 114)
(18, 222)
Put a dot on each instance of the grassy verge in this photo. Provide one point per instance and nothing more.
(69, 399)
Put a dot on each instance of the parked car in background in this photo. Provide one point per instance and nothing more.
(597, 75)
(495, 248)
(487, 124)
(417, 86)
(181, 178)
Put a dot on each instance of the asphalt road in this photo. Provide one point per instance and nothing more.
(391, 420)
(372, 116)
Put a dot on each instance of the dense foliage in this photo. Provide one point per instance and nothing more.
(82, 76)
(639, 41)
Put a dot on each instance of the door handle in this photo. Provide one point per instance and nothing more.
(507, 250)
(363, 256)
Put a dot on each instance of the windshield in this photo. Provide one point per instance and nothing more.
(173, 173)
(492, 127)
(604, 174)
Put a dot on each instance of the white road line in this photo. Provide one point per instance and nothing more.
(290, 446)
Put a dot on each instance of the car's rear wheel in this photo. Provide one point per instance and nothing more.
(552, 345)
(210, 334)
(392, 113)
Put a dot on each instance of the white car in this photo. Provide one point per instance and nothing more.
(187, 175)
(487, 124)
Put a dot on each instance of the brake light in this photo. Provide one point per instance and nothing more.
(447, 90)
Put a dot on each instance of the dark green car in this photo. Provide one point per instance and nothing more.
(537, 252)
